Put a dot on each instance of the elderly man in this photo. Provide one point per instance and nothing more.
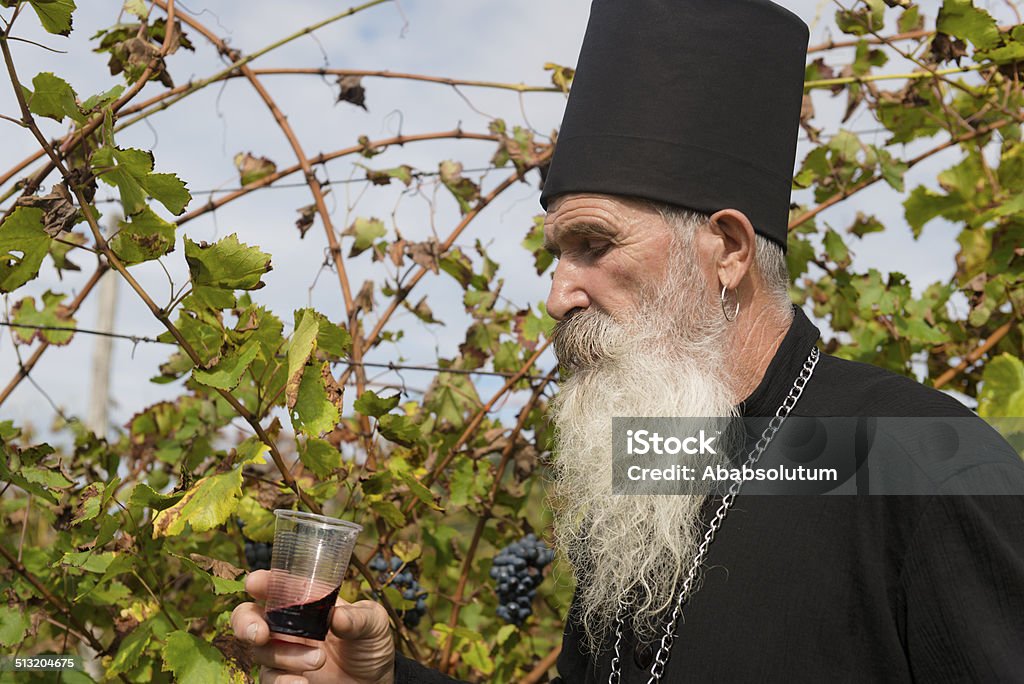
(667, 205)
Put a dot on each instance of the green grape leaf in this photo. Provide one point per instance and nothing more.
(960, 18)
(59, 252)
(537, 325)
(206, 505)
(96, 102)
(864, 224)
(407, 552)
(910, 20)
(251, 450)
(53, 98)
(451, 396)
(13, 625)
(52, 314)
(23, 246)
(534, 243)
(21, 480)
(209, 298)
(227, 264)
(475, 653)
(51, 478)
(131, 649)
(893, 170)
(89, 502)
(836, 249)
(131, 172)
(320, 457)
(909, 114)
(458, 266)
(333, 339)
(195, 661)
(975, 250)
(917, 330)
(259, 522)
(923, 205)
(467, 483)
(90, 561)
(399, 429)
(390, 513)
(369, 404)
(54, 15)
(206, 340)
(507, 358)
(465, 191)
(1002, 390)
(420, 491)
(228, 371)
(144, 238)
(365, 231)
(1013, 51)
(300, 349)
(505, 632)
(798, 255)
(144, 496)
(313, 413)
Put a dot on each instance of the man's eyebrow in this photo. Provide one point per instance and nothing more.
(580, 229)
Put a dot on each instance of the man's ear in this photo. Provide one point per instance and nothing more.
(735, 236)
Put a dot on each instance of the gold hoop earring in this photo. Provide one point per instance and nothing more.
(736, 311)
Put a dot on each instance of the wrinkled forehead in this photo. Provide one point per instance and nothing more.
(616, 212)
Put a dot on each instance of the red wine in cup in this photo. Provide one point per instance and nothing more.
(309, 620)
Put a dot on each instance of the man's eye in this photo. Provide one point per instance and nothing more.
(598, 247)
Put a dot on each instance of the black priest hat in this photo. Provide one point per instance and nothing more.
(694, 103)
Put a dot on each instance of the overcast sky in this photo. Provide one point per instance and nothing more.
(492, 40)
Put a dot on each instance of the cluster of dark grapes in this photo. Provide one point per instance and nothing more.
(257, 554)
(405, 583)
(518, 570)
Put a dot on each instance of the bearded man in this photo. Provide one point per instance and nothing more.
(667, 200)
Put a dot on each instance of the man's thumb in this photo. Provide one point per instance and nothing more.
(360, 620)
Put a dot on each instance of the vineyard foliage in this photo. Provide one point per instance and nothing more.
(128, 546)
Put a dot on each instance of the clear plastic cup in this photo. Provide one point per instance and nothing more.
(310, 557)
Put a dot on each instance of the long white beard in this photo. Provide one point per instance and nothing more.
(632, 552)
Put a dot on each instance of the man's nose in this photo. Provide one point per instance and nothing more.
(567, 291)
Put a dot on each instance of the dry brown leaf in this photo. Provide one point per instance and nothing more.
(216, 567)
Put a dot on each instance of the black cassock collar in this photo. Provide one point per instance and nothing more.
(784, 367)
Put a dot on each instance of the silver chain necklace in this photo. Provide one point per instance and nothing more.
(661, 657)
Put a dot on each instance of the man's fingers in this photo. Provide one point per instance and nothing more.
(257, 583)
(289, 656)
(360, 620)
(247, 620)
(249, 624)
(268, 676)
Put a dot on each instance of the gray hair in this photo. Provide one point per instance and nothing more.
(769, 258)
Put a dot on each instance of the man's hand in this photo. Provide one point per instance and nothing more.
(358, 649)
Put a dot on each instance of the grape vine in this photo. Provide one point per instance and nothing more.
(297, 379)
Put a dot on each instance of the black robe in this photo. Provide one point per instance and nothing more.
(905, 588)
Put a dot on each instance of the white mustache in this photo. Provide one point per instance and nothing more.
(586, 339)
